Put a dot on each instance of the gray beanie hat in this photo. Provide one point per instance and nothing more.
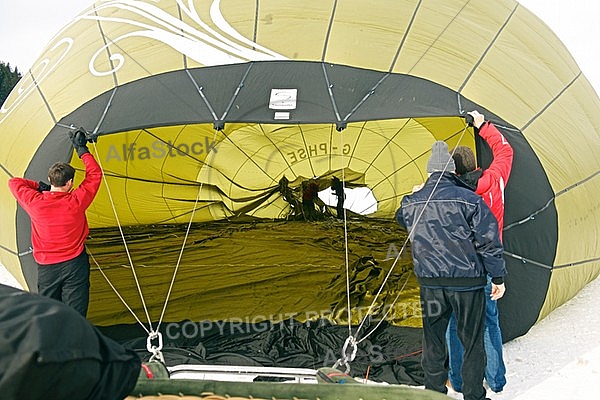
(440, 159)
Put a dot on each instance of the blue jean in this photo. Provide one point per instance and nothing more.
(495, 370)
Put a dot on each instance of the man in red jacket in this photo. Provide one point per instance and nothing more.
(59, 226)
(489, 184)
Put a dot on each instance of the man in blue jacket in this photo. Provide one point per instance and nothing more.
(455, 244)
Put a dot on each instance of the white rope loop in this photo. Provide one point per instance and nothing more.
(187, 233)
(137, 283)
(152, 334)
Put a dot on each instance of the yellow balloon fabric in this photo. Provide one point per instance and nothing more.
(201, 108)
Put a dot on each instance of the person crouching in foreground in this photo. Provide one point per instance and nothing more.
(455, 244)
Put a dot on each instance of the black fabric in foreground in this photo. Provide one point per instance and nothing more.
(49, 351)
(391, 354)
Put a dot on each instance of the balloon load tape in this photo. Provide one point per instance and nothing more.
(90, 137)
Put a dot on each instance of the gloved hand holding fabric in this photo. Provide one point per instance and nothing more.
(79, 141)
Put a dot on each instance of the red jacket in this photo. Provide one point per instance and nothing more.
(493, 180)
(59, 226)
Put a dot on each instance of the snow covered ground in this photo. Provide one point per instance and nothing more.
(7, 279)
(559, 358)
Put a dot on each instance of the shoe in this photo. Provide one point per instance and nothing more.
(494, 396)
(488, 387)
(153, 370)
(450, 387)
(453, 393)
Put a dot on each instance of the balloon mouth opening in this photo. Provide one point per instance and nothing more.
(359, 200)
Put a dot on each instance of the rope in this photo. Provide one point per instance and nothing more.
(187, 233)
(117, 292)
(152, 334)
(410, 234)
(346, 258)
(137, 283)
(346, 358)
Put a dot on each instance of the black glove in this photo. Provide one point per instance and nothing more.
(469, 119)
(43, 187)
(79, 142)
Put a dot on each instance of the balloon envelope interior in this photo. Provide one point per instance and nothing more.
(208, 113)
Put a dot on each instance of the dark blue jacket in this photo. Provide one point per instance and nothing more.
(453, 234)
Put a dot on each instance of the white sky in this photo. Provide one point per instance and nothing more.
(26, 26)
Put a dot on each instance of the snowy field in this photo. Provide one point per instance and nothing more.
(7, 279)
(559, 358)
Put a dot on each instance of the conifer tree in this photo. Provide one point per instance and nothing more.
(8, 80)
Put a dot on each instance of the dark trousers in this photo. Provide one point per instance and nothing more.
(469, 310)
(68, 282)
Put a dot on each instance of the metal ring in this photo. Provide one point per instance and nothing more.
(151, 348)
